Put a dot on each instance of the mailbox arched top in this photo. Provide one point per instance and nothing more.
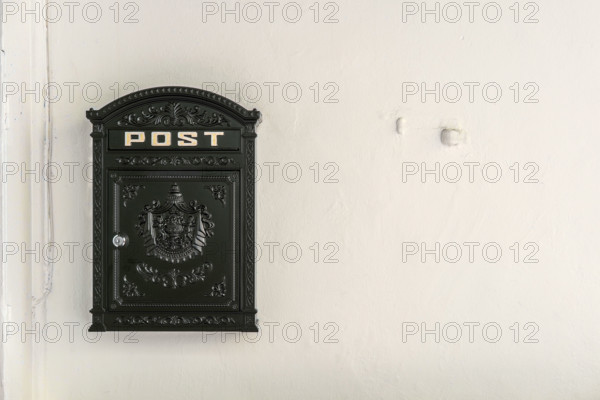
(202, 97)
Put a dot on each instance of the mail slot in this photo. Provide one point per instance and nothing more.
(173, 212)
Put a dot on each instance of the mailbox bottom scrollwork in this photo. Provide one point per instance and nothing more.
(173, 278)
(184, 321)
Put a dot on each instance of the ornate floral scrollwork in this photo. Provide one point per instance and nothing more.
(173, 278)
(130, 289)
(130, 192)
(219, 289)
(175, 231)
(174, 114)
(218, 192)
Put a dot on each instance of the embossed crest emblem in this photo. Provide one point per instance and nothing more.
(175, 231)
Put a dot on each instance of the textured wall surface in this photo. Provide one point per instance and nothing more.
(345, 317)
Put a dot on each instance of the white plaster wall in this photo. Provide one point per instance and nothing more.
(370, 295)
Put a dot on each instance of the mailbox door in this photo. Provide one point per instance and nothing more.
(174, 240)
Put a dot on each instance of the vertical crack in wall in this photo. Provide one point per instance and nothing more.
(46, 235)
(48, 221)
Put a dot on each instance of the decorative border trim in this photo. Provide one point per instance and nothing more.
(155, 320)
(152, 161)
(249, 221)
(98, 230)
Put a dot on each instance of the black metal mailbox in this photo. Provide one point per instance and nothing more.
(173, 222)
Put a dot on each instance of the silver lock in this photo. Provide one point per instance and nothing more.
(119, 240)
